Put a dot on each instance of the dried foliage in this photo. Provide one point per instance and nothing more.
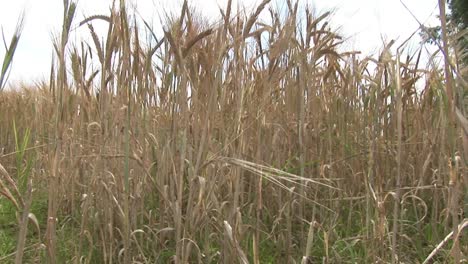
(246, 141)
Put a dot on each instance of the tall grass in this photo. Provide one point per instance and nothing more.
(235, 142)
(10, 52)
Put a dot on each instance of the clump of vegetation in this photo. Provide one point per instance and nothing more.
(244, 141)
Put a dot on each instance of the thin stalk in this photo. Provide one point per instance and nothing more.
(453, 183)
(396, 205)
(24, 225)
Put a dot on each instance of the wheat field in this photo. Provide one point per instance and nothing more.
(238, 141)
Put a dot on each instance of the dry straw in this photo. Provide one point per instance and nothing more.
(247, 140)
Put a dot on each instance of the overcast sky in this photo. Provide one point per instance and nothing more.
(365, 22)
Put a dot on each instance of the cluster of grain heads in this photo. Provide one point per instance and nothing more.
(248, 140)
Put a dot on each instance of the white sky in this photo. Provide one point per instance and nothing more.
(366, 22)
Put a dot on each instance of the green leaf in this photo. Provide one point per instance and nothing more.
(10, 52)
